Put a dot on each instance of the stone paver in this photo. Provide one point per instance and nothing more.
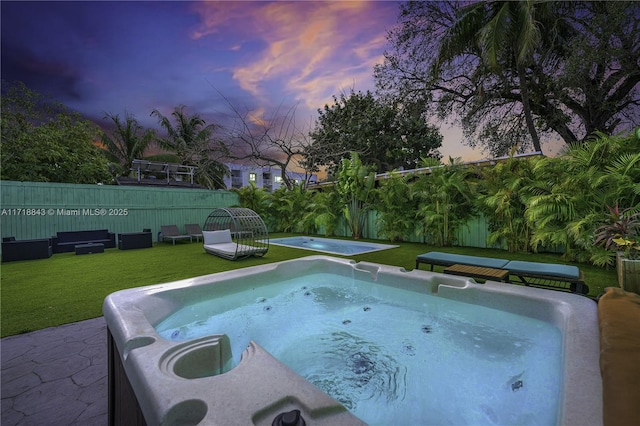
(56, 376)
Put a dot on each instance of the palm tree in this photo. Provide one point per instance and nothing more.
(502, 33)
(128, 141)
(192, 141)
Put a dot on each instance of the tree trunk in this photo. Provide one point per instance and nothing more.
(524, 93)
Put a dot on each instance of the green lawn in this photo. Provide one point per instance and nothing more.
(67, 288)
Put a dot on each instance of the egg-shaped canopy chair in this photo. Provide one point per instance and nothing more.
(235, 233)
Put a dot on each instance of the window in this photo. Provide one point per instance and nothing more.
(277, 179)
(252, 177)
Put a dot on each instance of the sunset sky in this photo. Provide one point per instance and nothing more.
(112, 57)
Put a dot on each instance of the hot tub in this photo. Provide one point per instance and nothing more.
(351, 343)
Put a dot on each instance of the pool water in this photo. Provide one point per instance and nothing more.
(331, 246)
(392, 356)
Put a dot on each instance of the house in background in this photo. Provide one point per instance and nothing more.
(154, 173)
(268, 178)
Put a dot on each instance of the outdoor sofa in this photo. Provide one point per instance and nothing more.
(13, 250)
(65, 242)
(537, 274)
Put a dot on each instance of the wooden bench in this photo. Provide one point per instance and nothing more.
(478, 272)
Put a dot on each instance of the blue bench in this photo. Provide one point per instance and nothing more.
(550, 275)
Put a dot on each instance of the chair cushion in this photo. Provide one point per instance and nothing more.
(216, 237)
(440, 258)
(228, 249)
(516, 267)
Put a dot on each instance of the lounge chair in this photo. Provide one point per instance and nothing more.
(172, 233)
(194, 230)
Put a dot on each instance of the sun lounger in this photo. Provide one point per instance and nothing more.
(548, 275)
(172, 233)
(194, 230)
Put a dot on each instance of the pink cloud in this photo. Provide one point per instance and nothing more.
(312, 49)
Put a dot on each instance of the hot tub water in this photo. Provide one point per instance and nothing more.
(392, 356)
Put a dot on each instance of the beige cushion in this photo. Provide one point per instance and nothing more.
(619, 318)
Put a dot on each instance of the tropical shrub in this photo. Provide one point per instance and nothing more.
(502, 199)
(326, 211)
(355, 186)
(569, 196)
(620, 233)
(445, 202)
(289, 208)
(396, 208)
(254, 198)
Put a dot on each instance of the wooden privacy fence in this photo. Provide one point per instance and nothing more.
(31, 210)
(472, 234)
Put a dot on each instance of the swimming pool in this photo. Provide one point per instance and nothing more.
(389, 345)
(330, 245)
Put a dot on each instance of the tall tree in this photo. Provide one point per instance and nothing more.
(43, 141)
(128, 141)
(479, 63)
(274, 141)
(504, 32)
(385, 135)
(191, 140)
